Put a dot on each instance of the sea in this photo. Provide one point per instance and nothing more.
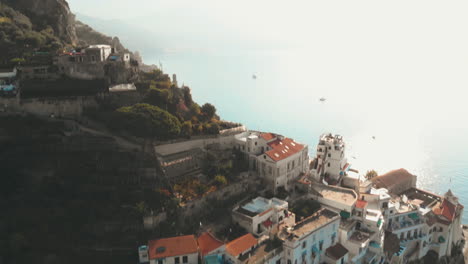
(390, 117)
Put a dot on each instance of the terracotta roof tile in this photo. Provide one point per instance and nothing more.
(267, 136)
(392, 178)
(282, 149)
(337, 251)
(361, 204)
(173, 246)
(241, 244)
(207, 243)
(446, 209)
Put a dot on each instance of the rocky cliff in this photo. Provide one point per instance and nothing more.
(49, 13)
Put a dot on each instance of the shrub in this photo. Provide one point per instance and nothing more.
(220, 180)
(149, 121)
(371, 174)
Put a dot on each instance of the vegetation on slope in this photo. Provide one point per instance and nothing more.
(20, 37)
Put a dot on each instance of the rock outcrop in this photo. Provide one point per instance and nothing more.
(53, 13)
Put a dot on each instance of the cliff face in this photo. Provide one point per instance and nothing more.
(53, 13)
(88, 36)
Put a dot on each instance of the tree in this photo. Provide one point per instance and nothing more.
(220, 180)
(209, 110)
(187, 95)
(212, 129)
(157, 97)
(148, 121)
(371, 174)
(141, 208)
(186, 129)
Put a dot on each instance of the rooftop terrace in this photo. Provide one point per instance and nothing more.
(309, 224)
(338, 194)
(260, 205)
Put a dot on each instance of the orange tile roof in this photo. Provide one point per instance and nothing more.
(207, 243)
(361, 204)
(173, 246)
(391, 178)
(446, 209)
(267, 136)
(241, 244)
(282, 149)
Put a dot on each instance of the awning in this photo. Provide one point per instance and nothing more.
(374, 244)
(414, 216)
(441, 239)
(345, 214)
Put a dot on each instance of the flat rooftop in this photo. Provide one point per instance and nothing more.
(309, 224)
(342, 195)
(424, 198)
(260, 205)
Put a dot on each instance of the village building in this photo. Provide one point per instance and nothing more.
(356, 218)
(237, 251)
(330, 163)
(211, 249)
(174, 250)
(260, 216)
(306, 242)
(278, 160)
(396, 181)
(91, 62)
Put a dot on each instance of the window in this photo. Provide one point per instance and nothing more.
(293, 164)
(328, 164)
(278, 261)
(304, 244)
(184, 259)
(329, 155)
(289, 261)
(255, 143)
(93, 58)
(160, 261)
(295, 261)
(176, 260)
(329, 147)
(321, 245)
(440, 229)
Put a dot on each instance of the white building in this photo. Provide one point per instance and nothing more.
(278, 160)
(330, 163)
(260, 216)
(174, 250)
(307, 241)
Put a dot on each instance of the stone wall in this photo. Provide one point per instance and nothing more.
(173, 148)
(198, 206)
(60, 107)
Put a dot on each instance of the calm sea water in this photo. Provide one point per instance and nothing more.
(417, 128)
